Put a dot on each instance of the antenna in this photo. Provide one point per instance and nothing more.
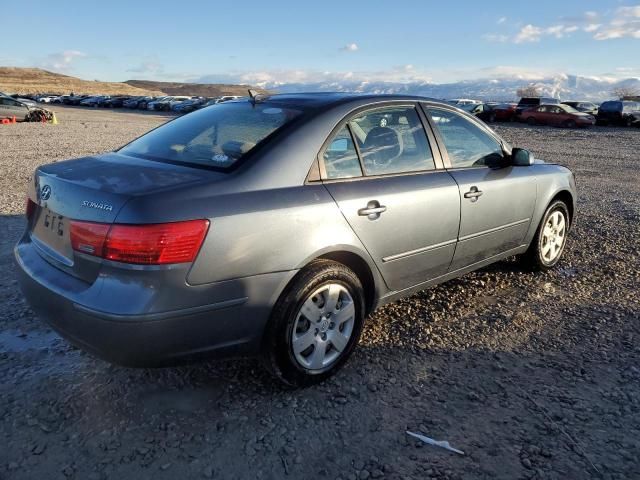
(252, 96)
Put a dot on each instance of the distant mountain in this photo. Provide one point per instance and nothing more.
(561, 86)
(27, 81)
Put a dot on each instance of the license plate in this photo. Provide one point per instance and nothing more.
(52, 230)
(53, 222)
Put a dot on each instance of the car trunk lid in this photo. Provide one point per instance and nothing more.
(94, 189)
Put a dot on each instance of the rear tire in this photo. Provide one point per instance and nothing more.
(548, 244)
(315, 324)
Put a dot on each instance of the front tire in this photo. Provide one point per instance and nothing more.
(315, 324)
(531, 121)
(550, 239)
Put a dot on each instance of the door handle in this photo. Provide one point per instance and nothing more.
(372, 210)
(473, 194)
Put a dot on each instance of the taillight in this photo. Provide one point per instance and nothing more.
(30, 208)
(152, 244)
(88, 237)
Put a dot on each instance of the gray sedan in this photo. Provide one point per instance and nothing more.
(275, 225)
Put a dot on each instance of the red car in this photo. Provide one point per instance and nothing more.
(505, 112)
(557, 115)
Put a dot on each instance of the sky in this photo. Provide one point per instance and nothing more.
(296, 41)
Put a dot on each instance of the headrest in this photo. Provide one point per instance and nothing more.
(382, 145)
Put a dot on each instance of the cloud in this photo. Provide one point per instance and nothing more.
(560, 31)
(149, 67)
(625, 23)
(62, 61)
(528, 33)
(350, 47)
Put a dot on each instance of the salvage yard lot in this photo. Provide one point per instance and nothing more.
(531, 375)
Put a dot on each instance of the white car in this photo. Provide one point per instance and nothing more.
(46, 98)
(464, 101)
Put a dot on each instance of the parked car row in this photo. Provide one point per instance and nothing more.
(14, 105)
(550, 111)
(166, 103)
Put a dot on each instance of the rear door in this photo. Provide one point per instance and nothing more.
(497, 202)
(556, 116)
(386, 175)
(542, 114)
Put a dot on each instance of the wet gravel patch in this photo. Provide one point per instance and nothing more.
(533, 376)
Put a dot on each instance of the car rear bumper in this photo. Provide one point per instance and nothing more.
(229, 321)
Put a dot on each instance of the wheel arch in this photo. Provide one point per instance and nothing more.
(362, 270)
(361, 264)
(566, 197)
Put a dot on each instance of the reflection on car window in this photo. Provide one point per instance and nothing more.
(392, 140)
(467, 144)
(340, 157)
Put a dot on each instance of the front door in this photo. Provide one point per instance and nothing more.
(496, 201)
(382, 173)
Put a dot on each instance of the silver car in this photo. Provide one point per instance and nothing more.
(275, 225)
(10, 107)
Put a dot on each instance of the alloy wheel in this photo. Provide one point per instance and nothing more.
(553, 236)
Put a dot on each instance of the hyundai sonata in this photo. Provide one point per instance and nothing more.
(274, 225)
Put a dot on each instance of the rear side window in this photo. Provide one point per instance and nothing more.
(467, 144)
(392, 140)
(340, 157)
(217, 136)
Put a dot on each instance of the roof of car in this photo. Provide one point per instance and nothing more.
(327, 99)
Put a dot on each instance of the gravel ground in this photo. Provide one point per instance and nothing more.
(533, 376)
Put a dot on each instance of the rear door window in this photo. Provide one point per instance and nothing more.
(340, 157)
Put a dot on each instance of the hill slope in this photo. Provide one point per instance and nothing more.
(36, 80)
(192, 89)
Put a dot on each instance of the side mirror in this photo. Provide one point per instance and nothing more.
(521, 157)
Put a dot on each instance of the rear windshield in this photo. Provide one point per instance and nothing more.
(216, 136)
